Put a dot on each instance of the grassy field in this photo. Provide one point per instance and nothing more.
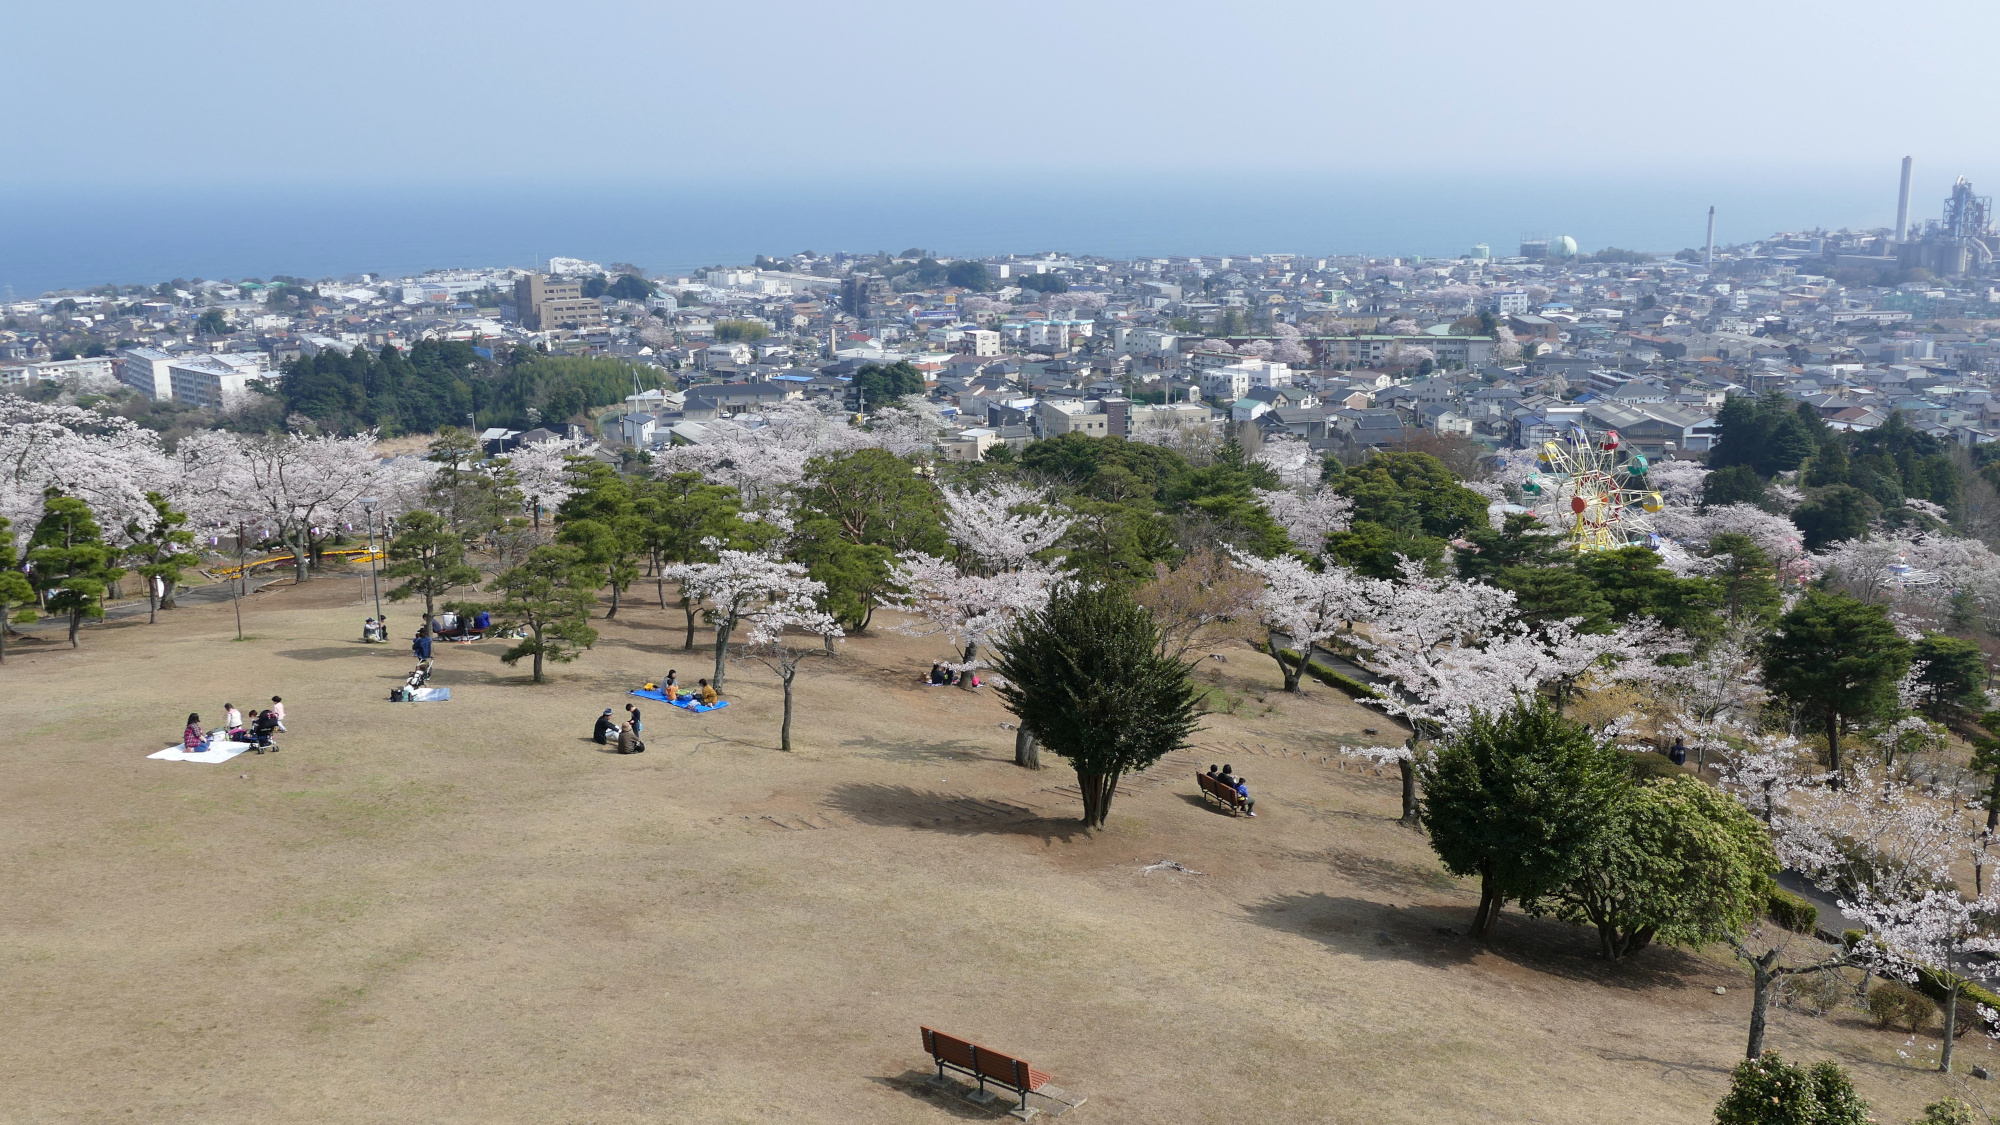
(466, 912)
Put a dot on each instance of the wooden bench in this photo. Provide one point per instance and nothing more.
(984, 1064)
(1222, 794)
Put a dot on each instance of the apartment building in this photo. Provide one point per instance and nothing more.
(145, 370)
(215, 382)
(548, 303)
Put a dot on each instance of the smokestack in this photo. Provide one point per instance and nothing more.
(1903, 203)
(1708, 254)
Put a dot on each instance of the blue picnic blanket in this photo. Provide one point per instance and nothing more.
(686, 702)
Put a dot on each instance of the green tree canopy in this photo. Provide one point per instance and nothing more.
(1678, 861)
(1951, 672)
(1635, 584)
(971, 275)
(1835, 514)
(1838, 658)
(1086, 674)
(1734, 484)
(70, 564)
(1515, 799)
(883, 384)
(17, 596)
(548, 597)
(857, 512)
(430, 558)
(600, 520)
(161, 551)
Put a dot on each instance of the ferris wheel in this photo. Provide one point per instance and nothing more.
(1596, 494)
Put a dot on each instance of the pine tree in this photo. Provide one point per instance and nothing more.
(1839, 659)
(72, 566)
(15, 591)
(430, 557)
(549, 597)
(161, 551)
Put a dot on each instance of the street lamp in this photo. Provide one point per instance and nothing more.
(368, 506)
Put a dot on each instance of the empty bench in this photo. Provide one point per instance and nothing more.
(1222, 794)
(984, 1064)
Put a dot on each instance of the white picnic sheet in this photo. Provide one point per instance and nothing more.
(219, 750)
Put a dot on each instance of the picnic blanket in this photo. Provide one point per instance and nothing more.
(686, 702)
(424, 694)
(219, 750)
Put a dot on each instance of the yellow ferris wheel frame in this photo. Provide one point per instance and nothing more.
(1594, 492)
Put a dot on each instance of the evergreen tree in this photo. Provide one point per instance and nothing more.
(680, 517)
(161, 552)
(1745, 579)
(1086, 674)
(1838, 658)
(1950, 673)
(1515, 799)
(600, 519)
(430, 557)
(857, 512)
(72, 568)
(1839, 513)
(17, 595)
(549, 597)
(1736, 484)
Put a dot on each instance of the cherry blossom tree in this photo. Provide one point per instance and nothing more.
(735, 588)
(1292, 459)
(542, 474)
(1308, 517)
(1301, 607)
(1002, 528)
(1402, 326)
(1505, 346)
(791, 605)
(1937, 931)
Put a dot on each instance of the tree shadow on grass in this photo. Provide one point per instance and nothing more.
(1436, 934)
(957, 750)
(900, 806)
(353, 648)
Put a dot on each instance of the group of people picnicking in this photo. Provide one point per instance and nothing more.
(1228, 776)
(669, 686)
(941, 676)
(256, 730)
(609, 730)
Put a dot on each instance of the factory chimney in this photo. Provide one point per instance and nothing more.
(1903, 203)
(1708, 254)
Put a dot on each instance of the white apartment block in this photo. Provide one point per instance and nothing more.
(1234, 380)
(1070, 416)
(42, 371)
(984, 342)
(215, 382)
(145, 370)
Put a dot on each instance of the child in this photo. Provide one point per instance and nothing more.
(708, 696)
(232, 720)
(637, 724)
(278, 712)
(1243, 791)
(670, 687)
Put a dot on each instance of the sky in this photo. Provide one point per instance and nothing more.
(1745, 104)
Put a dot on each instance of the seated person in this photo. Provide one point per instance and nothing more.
(708, 696)
(368, 630)
(939, 675)
(482, 622)
(628, 739)
(232, 721)
(194, 739)
(1243, 791)
(1227, 776)
(261, 730)
(602, 731)
(670, 687)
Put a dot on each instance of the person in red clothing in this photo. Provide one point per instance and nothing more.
(194, 739)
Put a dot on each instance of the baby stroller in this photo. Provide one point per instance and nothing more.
(418, 677)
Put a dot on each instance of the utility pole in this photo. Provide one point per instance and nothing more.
(368, 506)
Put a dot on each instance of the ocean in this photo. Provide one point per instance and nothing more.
(73, 238)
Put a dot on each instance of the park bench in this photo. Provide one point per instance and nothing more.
(1227, 797)
(984, 1064)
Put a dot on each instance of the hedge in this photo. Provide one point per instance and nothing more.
(1331, 678)
(1791, 911)
(1933, 984)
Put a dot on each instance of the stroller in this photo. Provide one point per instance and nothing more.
(418, 677)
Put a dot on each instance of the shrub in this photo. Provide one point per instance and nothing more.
(1834, 1090)
(1791, 911)
(1767, 1090)
(1892, 1002)
(1648, 766)
(1933, 984)
(1813, 993)
(1950, 1111)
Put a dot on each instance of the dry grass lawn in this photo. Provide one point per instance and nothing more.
(466, 912)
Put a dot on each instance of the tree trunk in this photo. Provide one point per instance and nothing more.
(687, 606)
(1950, 1024)
(1760, 1000)
(722, 632)
(787, 672)
(301, 560)
(75, 622)
(1489, 904)
(1833, 746)
(965, 677)
(1407, 767)
(1290, 673)
(614, 602)
(167, 586)
(1098, 789)
(537, 626)
(1027, 749)
(152, 604)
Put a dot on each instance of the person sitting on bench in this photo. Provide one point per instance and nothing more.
(1227, 776)
(708, 696)
(1243, 791)
(602, 732)
(482, 621)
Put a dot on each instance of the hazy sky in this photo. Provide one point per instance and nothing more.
(137, 94)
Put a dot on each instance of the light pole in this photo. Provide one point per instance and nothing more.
(368, 506)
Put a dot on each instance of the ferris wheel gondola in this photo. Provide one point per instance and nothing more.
(1593, 491)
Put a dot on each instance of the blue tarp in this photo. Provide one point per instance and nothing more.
(686, 702)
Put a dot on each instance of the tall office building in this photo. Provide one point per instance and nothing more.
(545, 303)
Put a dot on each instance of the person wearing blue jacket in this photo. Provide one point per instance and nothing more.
(422, 644)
